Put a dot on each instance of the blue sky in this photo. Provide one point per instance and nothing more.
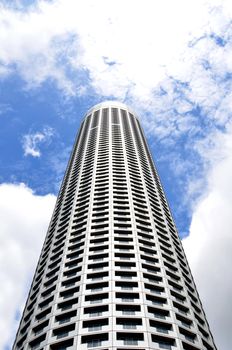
(171, 62)
(44, 111)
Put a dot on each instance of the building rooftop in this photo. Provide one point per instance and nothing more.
(110, 104)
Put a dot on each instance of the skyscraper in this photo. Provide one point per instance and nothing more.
(112, 273)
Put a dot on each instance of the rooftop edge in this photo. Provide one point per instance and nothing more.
(110, 104)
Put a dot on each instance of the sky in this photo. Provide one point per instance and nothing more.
(171, 62)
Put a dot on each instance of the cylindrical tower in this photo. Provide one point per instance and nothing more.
(112, 273)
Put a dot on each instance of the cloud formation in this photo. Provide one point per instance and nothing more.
(209, 245)
(31, 142)
(180, 76)
(24, 219)
(60, 41)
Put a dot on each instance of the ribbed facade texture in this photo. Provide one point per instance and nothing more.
(112, 274)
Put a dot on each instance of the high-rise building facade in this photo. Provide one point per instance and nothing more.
(112, 274)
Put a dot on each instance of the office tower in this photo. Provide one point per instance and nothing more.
(112, 274)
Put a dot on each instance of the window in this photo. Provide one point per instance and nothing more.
(129, 323)
(128, 309)
(63, 318)
(130, 338)
(94, 343)
(187, 334)
(127, 299)
(95, 325)
(129, 326)
(160, 326)
(40, 328)
(128, 312)
(64, 345)
(96, 298)
(94, 340)
(95, 311)
(158, 313)
(156, 300)
(95, 314)
(191, 347)
(163, 342)
(130, 341)
(36, 342)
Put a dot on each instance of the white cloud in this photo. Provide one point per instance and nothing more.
(120, 48)
(131, 55)
(209, 245)
(24, 219)
(4, 108)
(30, 142)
